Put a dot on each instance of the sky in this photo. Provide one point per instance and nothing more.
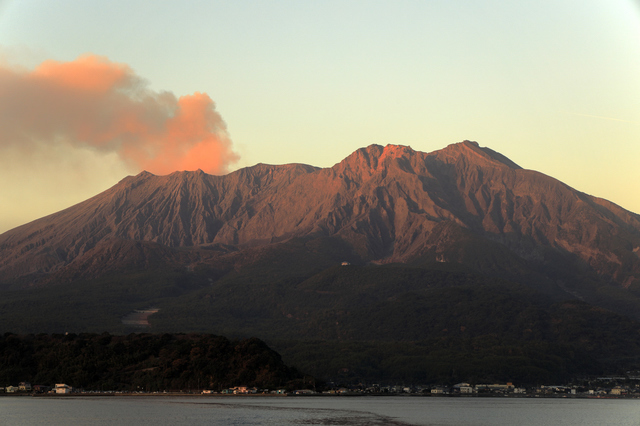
(93, 91)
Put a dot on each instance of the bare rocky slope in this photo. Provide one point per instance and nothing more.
(464, 204)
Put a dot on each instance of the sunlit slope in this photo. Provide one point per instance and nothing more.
(389, 204)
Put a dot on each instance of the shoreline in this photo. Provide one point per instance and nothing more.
(323, 395)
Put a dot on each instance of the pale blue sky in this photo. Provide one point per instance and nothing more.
(553, 85)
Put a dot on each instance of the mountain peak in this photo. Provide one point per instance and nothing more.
(396, 151)
(473, 151)
(389, 150)
(389, 202)
(373, 156)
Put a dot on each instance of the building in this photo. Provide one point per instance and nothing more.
(618, 391)
(467, 389)
(496, 387)
(463, 388)
(41, 388)
(61, 388)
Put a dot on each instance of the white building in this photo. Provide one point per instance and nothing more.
(61, 388)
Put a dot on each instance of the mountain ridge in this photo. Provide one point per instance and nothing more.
(390, 204)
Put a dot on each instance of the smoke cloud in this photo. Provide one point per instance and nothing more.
(94, 103)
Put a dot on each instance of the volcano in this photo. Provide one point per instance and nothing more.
(392, 264)
(462, 204)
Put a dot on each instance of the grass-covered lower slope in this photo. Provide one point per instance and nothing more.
(535, 346)
(338, 302)
(91, 305)
(141, 361)
(446, 361)
(442, 321)
(400, 323)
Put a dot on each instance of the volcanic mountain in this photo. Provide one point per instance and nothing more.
(389, 204)
(392, 264)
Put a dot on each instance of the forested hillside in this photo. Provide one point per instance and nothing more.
(149, 362)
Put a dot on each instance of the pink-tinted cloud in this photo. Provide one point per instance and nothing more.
(93, 102)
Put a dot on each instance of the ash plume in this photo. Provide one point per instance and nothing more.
(95, 103)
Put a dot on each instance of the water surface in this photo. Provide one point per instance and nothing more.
(393, 410)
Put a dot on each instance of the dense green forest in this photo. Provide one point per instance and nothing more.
(136, 362)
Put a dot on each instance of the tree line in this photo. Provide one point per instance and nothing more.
(146, 362)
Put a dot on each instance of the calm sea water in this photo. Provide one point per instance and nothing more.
(160, 411)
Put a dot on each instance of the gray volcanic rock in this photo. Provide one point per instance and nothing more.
(390, 204)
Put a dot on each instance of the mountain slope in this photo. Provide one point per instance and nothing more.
(456, 259)
(391, 204)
